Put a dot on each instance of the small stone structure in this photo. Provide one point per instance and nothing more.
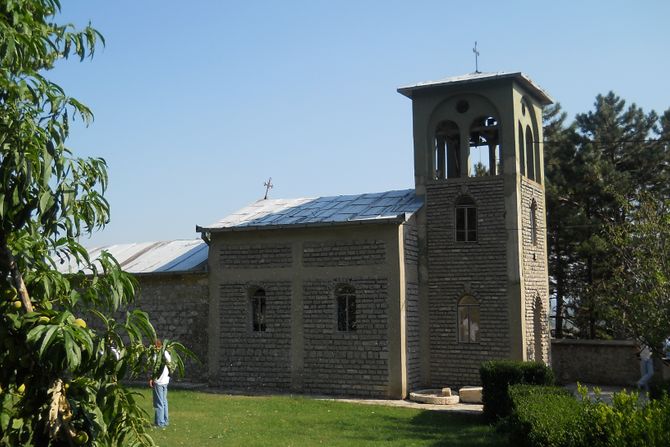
(470, 394)
(434, 396)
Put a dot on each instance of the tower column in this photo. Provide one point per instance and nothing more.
(465, 153)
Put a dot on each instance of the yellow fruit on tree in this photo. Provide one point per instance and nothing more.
(81, 323)
(17, 304)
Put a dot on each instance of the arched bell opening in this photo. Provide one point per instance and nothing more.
(485, 147)
(447, 154)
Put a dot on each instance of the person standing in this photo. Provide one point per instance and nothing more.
(646, 368)
(159, 384)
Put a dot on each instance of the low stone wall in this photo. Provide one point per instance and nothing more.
(602, 362)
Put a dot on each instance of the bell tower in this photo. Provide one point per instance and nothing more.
(478, 165)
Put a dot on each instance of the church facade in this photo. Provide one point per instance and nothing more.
(381, 294)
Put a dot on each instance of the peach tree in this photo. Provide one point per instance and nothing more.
(59, 376)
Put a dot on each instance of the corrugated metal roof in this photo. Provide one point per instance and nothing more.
(180, 256)
(321, 210)
(541, 95)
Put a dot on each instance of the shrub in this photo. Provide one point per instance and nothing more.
(498, 375)
(552, 417)
(544, 416)
(627, 422)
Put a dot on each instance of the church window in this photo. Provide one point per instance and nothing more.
(346, 308)
(258, 307)
(530, 154)
(447, 161)
(466, 220)
(468, 320)
(522, 152)
(533, 222)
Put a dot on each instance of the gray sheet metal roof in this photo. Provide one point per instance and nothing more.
(361, 208)
(522, 78)
(180, 256)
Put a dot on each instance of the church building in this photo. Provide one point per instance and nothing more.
(381, 294)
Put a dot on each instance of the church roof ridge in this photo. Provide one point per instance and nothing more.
(395, 205)
(522, 78)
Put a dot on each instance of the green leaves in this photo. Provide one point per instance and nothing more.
(48, 199)
(594, 168)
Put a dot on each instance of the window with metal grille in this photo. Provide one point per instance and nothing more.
(346, 308)
(466, 220)
(258, 311)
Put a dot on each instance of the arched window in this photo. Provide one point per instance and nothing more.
(530, 154)
(468, 320)
(258, 307)
(533, 222)
(484, 147)
(447, 151)
(346, 308)
(466, 220)
(522, 152)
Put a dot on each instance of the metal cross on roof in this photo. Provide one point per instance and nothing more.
(268, 186)
(474, 50)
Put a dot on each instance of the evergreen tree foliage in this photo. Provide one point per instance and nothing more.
(59, 378)
(596, 168)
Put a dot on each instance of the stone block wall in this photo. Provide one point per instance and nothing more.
(601, 362)
(341, 253)
(536, 282)
(255, 256)
(412, 316)
(302, 349)
(177, 306)
(255, 359)
(346, 363)
(455, 269)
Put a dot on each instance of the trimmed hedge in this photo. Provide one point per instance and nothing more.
(498, 375)
(552, 417)
(544, 416)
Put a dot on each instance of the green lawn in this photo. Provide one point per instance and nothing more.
(201, 419)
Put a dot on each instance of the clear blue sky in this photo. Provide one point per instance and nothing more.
(198, 103)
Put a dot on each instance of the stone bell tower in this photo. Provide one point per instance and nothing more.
(478, 165)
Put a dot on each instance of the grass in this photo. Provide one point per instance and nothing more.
(203, 419)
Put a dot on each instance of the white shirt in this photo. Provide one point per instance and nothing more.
(164, 378)
(645, 353)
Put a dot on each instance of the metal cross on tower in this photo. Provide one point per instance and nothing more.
(268, 186)
(474, 50)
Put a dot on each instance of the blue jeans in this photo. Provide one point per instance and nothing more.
(161, 405)
(647, 371)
